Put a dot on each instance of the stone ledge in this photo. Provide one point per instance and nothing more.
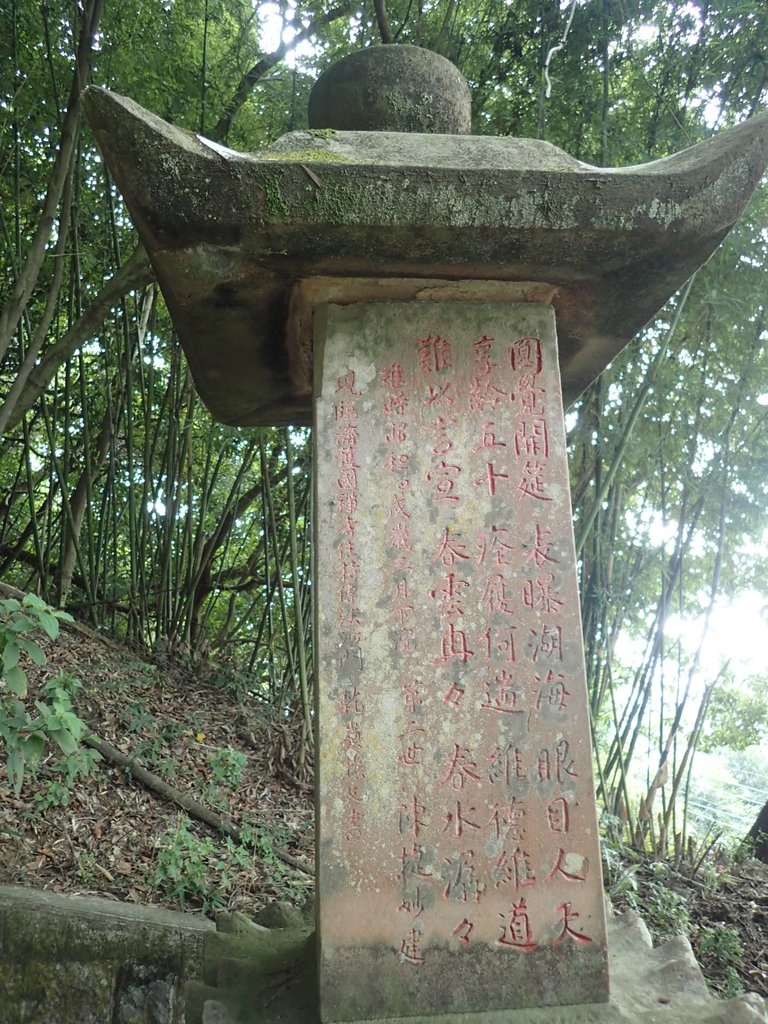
(88, 960)
(649, 986)
(268, 976)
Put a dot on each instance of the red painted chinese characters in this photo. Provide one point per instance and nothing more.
(453, 663)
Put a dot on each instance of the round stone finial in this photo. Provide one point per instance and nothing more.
(392, 88)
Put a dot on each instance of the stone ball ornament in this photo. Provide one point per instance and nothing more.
(392, 88)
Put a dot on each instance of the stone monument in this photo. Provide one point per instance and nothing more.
(433, 297)
(459, 865)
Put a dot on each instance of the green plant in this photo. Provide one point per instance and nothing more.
(205, 871)
(664, 910)
(17, 620)
(169, 767)
(721, 949)
(170, 731)
(286, 884)
(87, 870)
(151, 751)
(67, 772)
(26, 737)
(619, 864)
(227, 766)
(188, 868)
(136, 717)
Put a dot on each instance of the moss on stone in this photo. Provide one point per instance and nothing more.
(307, 156)
(274, 205)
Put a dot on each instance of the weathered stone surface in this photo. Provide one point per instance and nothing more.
(257, 978)
(235, 238)
(392, 89)
(648, 986)
(232, 922)
(458, 857)
(145, 994)
(275, 981)
(279, 915)
(79, 960)
(215, 1012)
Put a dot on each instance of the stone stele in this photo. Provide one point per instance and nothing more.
(434, 298)
(459, 865)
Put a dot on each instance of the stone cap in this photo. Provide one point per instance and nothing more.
(245, 245)
(392, 88)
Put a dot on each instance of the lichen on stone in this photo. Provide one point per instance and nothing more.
(307, 156)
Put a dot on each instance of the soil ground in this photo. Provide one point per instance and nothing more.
(99, 831)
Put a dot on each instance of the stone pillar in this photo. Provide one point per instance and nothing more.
(458, 857)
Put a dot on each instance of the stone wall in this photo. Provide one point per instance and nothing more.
(83, 960)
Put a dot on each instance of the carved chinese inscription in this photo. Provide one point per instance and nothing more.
(457, 831)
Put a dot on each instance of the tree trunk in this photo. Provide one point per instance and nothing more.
(758, 835)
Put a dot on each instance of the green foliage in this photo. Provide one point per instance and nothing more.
(184, 866)
(204, 871)
(663, 910)
(17, 620)
(26, 736)
(633, 880)
(227, 766)
(225, 772)
(620, 877)
(287, 884)
(739, 718)
(721, 951)
(64, 774)
(135, 717)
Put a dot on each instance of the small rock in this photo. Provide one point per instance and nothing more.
(280, 915)
(215, 1013)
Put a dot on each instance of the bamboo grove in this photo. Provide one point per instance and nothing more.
(120, 498)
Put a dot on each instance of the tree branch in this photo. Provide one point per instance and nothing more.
(134, 273)
(12, 313)
(183, 800)
(443, 36)
(382, 19)
(260, 68)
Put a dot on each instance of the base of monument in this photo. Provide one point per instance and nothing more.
(272, 980)
(371, 983)
(65, 959)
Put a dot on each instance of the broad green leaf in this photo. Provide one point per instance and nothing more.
(18, 721)
(35, 651)
(33, 748)
(15, 768)
(44, 710)
(65, 740)
(10, 655)
(16, 681)
(22, 624)
(71, 722)
(50, 624)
